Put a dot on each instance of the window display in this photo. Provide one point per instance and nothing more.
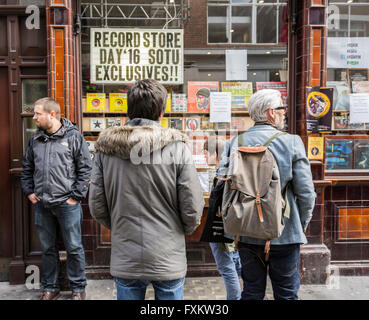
(346, 155)
(117, 52)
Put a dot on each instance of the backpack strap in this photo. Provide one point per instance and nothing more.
(266, 144)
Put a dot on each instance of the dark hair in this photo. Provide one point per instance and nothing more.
(217, 145)
(147, 99)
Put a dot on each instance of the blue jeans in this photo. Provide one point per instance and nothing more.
(135, 289)
(284, 271)
(229, 266)
(69, 218)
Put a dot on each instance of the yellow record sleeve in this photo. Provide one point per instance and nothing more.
(164, 123)
(168, 107)
(118, 102)
(95, 102)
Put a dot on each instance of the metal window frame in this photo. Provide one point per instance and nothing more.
(254, 4)
(177, 12)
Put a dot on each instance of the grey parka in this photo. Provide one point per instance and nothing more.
(145, 188)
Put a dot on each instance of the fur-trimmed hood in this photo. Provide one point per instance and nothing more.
(145, 136)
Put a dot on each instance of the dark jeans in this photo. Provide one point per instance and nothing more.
(284, 271)
(69, 218)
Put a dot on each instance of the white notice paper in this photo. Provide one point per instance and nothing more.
(220, 106)
(236, 65)
(359, 108)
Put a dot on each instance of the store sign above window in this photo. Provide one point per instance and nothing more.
(128, 55)
(347, 53)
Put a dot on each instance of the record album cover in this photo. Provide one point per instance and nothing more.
(199, 95)
(95, 102)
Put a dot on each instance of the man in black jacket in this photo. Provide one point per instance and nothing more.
(56, 173)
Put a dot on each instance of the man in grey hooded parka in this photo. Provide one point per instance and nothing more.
(145, 189)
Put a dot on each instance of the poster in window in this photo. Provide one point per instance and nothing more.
(338, 154)
(91, 141)
(360, 86)
(176, 123)
(117, 102)
(315, 148)
(192, 123)
(356, 75)
(95, 102)
(97, 124)
(168, 107)
(241, 93)
(199, 95)
(179, 102)
(319, 109)
(164, 123)
(280, 86)
(206, 124)
(113, 122)
(341, 122)
(123, 55)
(197, 149)
(361, 154)
(341, 98)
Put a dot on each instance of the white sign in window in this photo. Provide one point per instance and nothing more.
(347, 53)
(128, 55)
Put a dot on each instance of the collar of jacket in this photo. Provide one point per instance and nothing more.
(139, 122)
(142, 136)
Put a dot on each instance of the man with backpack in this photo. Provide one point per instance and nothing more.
(268, 199)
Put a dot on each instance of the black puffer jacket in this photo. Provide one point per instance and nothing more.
(57, 167)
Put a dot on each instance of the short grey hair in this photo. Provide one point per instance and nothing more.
(261, 101)
(49, 104)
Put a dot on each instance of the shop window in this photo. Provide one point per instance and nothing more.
(243, 21)
(104, 103)
(346, 155)
(347, 147)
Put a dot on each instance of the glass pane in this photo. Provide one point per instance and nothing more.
(32, 90)
(241, 29)
(242, 1)
(283, 24)
(29, 128)
(266, 32)
(361, 154)
(217, 24)
(359, 21)
(338, 21)
(338, 154)
(32, 2)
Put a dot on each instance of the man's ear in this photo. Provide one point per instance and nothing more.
(53, 114)
(161, 117)
(271, 115)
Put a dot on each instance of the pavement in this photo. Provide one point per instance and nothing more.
(206, 288)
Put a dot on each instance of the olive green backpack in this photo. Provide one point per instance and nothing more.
(253, 204)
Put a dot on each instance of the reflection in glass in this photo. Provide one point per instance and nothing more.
(29, 128)
(32, 90)
(266, 32)
(241, 24)
(217, 24)
(361, 154)
(359, 22)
